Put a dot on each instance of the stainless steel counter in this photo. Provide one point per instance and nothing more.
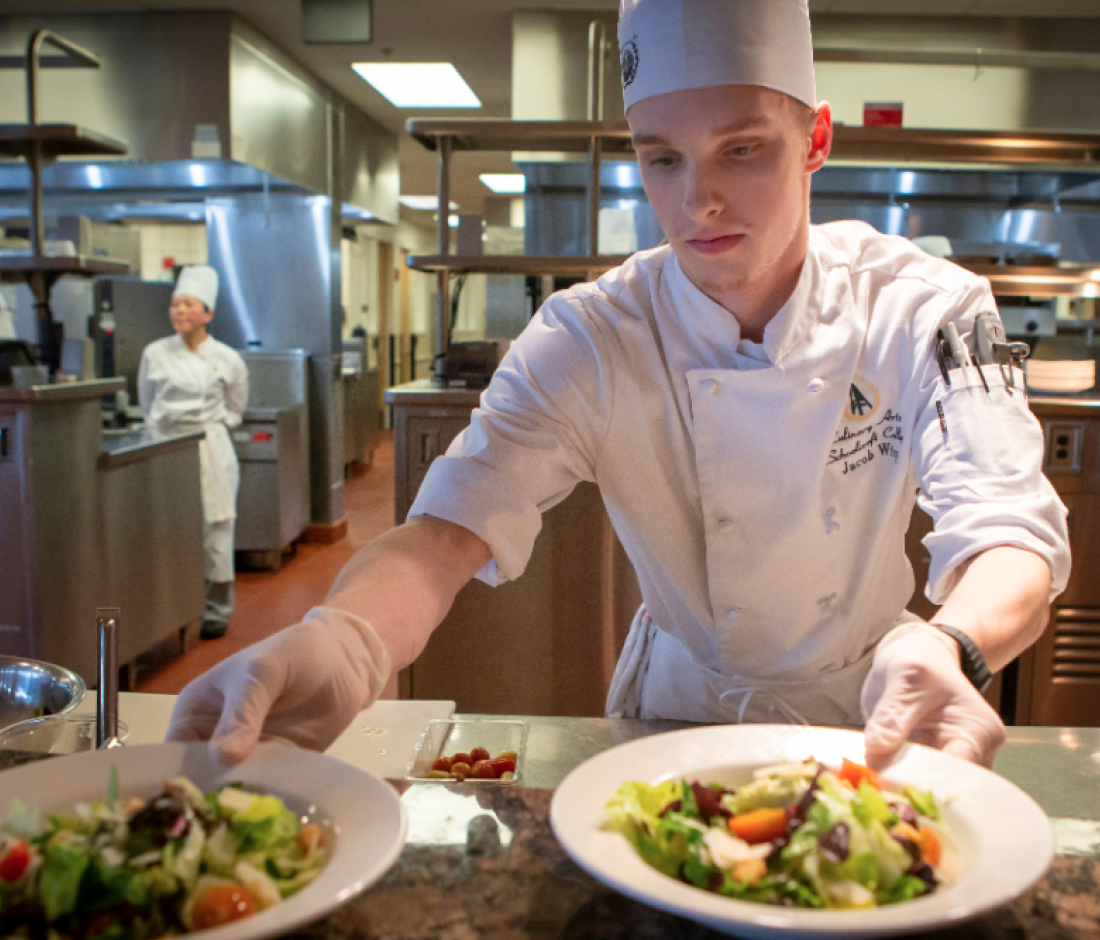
(91, 521)
(61, 391)
(121, 447)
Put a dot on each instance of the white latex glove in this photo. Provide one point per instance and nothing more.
(304, 685)
(916, 691)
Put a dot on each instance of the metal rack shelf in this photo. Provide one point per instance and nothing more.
(1010, 281)
(559, 265)
(56, 140)
(862, 144)
(1004, 280)
(21, 268)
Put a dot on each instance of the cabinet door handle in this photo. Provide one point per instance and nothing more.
(429, 446)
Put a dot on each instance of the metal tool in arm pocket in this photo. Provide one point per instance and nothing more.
(994, 347)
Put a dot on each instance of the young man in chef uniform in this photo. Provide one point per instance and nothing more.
(191, 381)
(759, 402)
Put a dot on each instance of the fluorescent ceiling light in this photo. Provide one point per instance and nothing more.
(504, 182)
(418, 84)
(422, 202)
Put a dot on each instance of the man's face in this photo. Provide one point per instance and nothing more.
(727, 172)
(188, 314)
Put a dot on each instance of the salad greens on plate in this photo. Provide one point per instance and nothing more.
(132, 869)
(797, 835)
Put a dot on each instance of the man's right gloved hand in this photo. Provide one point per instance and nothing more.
(303, 685)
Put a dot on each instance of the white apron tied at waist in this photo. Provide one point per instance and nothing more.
(656, 677)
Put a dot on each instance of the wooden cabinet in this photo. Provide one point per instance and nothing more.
(545, 644)
(1063, 678)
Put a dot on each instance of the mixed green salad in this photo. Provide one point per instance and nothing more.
(798, 835)
(132, 869)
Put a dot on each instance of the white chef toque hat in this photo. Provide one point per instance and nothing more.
(673, 45)
(199, 281)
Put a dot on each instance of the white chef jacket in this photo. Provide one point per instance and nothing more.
(761, 491)
(203, 390)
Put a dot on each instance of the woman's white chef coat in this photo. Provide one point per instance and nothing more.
(204, 390)
(761, 491)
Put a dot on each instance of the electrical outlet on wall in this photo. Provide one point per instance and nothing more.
(1064, 440)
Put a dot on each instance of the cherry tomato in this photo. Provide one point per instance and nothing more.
(15, 861)
(502, 765)
(480, 753)
(221, 904)
(483, 770)
(853, 773)
(442, 763)
(460, 770)
(462, 758)
(507, 755)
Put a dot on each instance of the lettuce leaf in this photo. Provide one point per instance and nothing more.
(923, 803)
(63, 867)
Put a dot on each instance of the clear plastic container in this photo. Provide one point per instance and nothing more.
(446, 737)
(56, 734)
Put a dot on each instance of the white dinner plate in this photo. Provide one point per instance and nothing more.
(364, 813)
(1004, 839)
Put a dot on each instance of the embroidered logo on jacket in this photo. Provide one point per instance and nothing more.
(863, 399)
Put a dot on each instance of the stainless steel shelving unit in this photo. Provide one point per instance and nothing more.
(855, 145)
(41, 144)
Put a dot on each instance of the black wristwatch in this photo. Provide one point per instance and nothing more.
(970, 657)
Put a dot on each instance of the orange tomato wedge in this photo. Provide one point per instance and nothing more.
(759, 825)
(853, 773)
(930, 846)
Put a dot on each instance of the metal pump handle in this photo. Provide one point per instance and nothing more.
(106, 619)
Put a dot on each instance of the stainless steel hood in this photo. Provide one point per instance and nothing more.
(205, 88)
(118, 190)
(1050, 212)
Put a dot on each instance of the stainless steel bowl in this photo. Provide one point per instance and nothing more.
(29, 689)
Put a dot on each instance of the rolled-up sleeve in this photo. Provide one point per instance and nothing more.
(537, 433)
(978, 459)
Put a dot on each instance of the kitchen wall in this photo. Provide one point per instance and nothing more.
(965, 72)
(163, 246)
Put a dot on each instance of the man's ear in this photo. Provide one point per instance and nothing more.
(821, 138)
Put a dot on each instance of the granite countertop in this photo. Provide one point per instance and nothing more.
(487, 865)
(483, 862)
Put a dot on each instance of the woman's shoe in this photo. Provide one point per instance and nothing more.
(212, 629)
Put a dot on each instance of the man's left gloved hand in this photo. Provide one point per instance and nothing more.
(916, 691)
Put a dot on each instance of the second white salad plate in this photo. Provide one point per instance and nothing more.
(1003, 837)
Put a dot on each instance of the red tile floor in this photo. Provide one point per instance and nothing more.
(268, 601)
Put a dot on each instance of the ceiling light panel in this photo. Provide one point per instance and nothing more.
(504, 182)
(418, 84)
(422, 202)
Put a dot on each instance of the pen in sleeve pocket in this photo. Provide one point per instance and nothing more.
(958, 348)
(941, 358)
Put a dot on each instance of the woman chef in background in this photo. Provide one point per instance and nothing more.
(759, 402)
(191, 381)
